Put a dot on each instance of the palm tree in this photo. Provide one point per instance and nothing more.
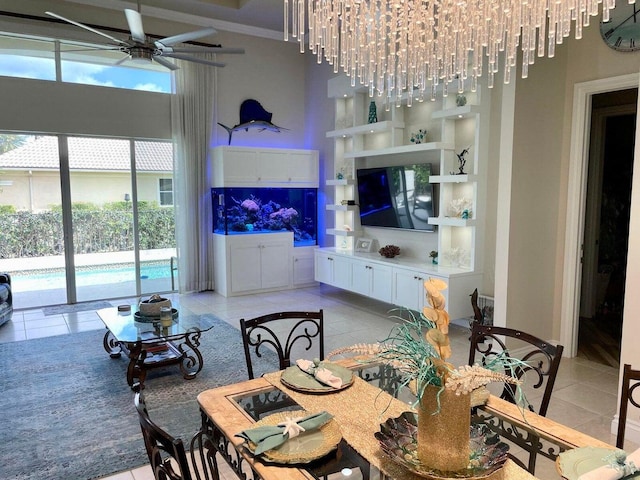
(10, 141)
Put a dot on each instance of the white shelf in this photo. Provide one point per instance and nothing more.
(340, 233)
(452, 222)
(457, 112)
(342, 208)
(453, 178)
(343, 182)
(421, 147)
(377, 127)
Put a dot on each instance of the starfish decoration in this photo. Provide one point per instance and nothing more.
(291, 427)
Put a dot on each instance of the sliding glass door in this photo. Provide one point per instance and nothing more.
(106, 203)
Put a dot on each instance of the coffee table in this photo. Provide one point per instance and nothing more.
(150, 344)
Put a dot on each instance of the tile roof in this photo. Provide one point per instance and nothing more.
(104, 154)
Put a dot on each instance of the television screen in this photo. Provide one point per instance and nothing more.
(396, 197)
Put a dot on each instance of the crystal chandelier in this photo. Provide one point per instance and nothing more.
(413, 46)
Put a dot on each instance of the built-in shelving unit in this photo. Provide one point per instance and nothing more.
(451, 128)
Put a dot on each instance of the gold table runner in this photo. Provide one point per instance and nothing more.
(359, 410)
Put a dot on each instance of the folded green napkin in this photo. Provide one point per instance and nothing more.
(268, 437)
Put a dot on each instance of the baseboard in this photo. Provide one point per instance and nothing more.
(632, 432)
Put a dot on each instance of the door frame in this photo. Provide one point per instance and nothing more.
(576, 200)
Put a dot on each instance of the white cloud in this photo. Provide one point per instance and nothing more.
(149, 87)
(27, 67)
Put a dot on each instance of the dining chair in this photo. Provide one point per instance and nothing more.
(280, 332)
(542, 361)
(166, 453)
(630, 381)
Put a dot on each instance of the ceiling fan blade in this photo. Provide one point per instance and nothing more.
(185, 37)
(87, 27)
(134, 19)
(122, 60)
(165, 63)
(194, 59)
(204, 50)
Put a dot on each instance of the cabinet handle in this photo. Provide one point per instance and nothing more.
(289, 178)
(330, 258)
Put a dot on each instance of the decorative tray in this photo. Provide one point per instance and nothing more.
(306, 447)
(296, 379)
(152, 319)
(399, 440)
(578, 461)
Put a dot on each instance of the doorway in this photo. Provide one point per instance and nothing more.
(606, 225)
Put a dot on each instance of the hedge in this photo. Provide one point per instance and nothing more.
(95, 230)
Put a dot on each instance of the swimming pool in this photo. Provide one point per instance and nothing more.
(88, 276)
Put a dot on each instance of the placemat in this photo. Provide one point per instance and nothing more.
(359, 425)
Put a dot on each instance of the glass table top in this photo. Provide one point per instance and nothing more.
(129, 327)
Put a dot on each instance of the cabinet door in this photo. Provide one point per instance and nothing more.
(341, 272)
(324, 268)
(407, 289)
(240, 167)
(303, 271)
(361, 274)
(302, 167)
(274, 263)
(245, 268)
(381, 283)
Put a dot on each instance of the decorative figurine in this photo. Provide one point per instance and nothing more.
(418, 137)
(461, 100)
(253, 115)
(373, 114)
(434, 256)
(462, 161)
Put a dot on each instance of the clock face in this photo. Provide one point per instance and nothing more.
(622, 31)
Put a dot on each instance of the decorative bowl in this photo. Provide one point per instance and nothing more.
(399, 441)
(389, 251)
(151, 307)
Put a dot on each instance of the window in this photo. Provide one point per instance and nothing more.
(88, 64)
(166, 191)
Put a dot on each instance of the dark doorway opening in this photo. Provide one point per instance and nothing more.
(607, 225)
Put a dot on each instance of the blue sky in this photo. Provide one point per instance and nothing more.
(85, 73)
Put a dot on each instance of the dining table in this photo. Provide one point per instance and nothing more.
(369, 401)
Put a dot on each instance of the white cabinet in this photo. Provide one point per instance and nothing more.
(303, 266)
(333, 270)
(372, 280)
(408, 289)
(251, 263)
(264, 167)
(396, 281)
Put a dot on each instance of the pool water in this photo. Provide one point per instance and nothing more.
(107, 274)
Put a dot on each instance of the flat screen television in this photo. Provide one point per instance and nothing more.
(396, 197)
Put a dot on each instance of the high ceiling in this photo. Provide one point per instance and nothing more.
(264, 14)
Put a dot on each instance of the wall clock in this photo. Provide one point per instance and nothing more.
(622, 31)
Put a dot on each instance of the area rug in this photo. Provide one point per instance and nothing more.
(76, 307)
(67, 412)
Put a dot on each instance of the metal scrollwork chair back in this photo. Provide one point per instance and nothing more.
(542, 359)
(630, 381)
(266, 332)
(167, 454)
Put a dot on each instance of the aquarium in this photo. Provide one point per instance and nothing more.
(247, 210)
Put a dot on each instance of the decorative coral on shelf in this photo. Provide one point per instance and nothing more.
(389, 251)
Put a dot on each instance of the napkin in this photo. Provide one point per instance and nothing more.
(614, 471)
(268, 437)
(323, 375)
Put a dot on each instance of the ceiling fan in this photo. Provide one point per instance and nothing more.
(141, 48)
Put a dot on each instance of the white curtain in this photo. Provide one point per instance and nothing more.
(193, 111)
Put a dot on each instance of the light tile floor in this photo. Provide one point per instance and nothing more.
(584, 398)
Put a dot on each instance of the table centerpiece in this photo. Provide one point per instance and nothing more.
(419, 349)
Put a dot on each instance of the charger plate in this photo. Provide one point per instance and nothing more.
(577, 461)
(304, 448)
(399, 440)
(296, 379)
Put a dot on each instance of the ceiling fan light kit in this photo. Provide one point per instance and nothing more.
(140, 49)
